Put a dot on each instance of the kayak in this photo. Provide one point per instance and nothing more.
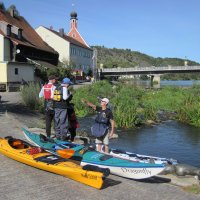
(142, 158)
(23, 152)
(86, 155)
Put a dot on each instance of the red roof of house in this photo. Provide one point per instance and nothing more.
(30, 36)
(69, 39)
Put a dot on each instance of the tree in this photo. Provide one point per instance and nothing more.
(2, 7)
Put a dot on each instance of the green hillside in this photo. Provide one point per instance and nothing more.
(123, 58)
(127, 58)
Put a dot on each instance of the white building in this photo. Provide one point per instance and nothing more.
(71, 47)
(19, 43)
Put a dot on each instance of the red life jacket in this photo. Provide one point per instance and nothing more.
(47, 91)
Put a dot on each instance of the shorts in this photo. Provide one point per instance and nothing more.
(103, 140)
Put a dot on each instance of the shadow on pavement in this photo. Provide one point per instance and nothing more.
(155, 179)
(110, 182)
(15, 108)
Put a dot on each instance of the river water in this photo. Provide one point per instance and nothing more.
(169, 139)
(164, 83)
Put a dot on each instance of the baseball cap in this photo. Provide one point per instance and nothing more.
(105, 100)
(67, 81)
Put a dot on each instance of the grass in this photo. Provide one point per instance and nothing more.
(131, 106)
(195, 189)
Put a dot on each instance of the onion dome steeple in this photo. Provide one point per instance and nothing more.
(73, 15)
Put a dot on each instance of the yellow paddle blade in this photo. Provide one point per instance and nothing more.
(65, 153)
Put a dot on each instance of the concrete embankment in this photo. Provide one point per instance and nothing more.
(22, 182)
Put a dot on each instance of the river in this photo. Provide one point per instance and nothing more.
(169, 139)
(164, 83)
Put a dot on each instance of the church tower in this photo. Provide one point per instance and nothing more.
(74, 29)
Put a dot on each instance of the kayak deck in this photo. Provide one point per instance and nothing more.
(117, 166)
(19, 150)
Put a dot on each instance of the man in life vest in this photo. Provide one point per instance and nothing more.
(103, 121)
(61, 99)
(47, 92)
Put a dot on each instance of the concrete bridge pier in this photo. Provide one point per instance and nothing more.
(155, 79)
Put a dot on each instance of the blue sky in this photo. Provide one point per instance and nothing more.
(159, 28)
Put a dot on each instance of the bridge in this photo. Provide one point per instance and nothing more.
(154, 72)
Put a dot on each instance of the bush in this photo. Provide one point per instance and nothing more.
(30, 96)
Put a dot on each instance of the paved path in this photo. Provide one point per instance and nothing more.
(21, 182)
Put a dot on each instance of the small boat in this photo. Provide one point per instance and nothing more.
(23, 152)
(86, 155)
(142, 158)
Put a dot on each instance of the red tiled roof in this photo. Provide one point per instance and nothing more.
(30, 36)
(69, 39)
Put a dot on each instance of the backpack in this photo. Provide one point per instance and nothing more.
(58, 93)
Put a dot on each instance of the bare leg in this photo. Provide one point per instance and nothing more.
(99, 147)
(106, 149)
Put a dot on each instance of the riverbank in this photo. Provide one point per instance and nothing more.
(18, 181)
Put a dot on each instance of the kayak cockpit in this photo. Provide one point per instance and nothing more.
(17, 144)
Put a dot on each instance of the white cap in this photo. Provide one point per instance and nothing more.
(105, 100)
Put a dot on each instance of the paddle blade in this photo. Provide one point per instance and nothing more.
(65, 153)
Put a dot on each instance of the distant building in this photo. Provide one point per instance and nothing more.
(21, 49)
(71, 47)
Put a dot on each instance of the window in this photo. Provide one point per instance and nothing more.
(20, 33)
(16, 71)
(9, 30)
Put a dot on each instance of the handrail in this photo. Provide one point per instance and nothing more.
(153, 68)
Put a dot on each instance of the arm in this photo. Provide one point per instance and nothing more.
(87, 103)
(65, 93)
(112, 127)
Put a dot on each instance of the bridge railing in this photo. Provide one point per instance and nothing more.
(152, 68)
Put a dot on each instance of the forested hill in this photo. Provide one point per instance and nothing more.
(127, 58)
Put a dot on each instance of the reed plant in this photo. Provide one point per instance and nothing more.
(189, 111)
(90, 93)
(30, 96)
(126, 103)
(130, 105)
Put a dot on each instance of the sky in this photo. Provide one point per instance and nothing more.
(159, 28)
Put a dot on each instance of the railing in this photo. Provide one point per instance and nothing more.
(136, 69)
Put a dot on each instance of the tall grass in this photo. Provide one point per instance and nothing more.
(189, 110)
(90, 93)
(131, 106)
(30, 96)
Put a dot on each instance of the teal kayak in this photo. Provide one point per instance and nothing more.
(118, 166)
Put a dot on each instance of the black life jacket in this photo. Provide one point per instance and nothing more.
(102, 118)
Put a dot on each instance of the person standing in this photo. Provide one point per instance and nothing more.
(47, 92)
(73, 122)
(61, 100)
(103, 121)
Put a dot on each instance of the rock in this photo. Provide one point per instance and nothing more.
(185, 169)
(114, 136)
(169, 169)
(150, 122)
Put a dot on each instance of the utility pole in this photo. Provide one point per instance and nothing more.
(94, 64)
